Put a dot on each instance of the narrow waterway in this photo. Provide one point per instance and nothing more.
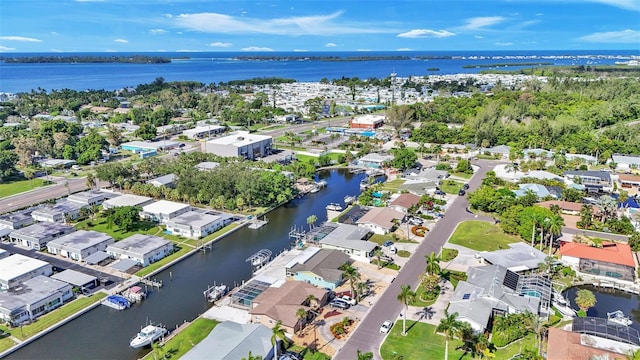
(609, 301)
(104, 333)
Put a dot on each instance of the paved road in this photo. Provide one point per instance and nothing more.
(366, 337)
(29, 198)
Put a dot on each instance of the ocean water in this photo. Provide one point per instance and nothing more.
(215, 67)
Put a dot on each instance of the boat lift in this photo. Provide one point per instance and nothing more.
(259, 259)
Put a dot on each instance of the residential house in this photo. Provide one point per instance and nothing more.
(426, 175)
(518, 257)
(585, 159)
(194, 224)
(563, 344)
(566, 207)
(419, 187)
(168, 180)
(404, 202)
(374, 160)
(231, 341)
(207, 165)
(322, 269)
(593, 181)
(88, 198)
(144, 249)
(80, 244)
(627, 181)
(540, 191)
(281, 304)
(508, 173)
(37, 236)
(501, 151)
(612, 260)
(494, 290)
(33, 298)
(350, 239)
(242, 144)
(15, 220)
(17, 268)
(149, 146)
(76, 279)
(127, 200)
(58, 212)
(162, 211)
(534, 154)
(626, 163)
(380, 220)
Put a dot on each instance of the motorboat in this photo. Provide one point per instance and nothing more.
(348, 200)
(117, 302)
(134, 294)
(334, 207)
(148, 335)
(618, 317)
(215, 293)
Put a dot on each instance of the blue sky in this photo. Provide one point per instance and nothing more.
(317, 25)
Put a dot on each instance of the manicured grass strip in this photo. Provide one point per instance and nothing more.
(53, 317)
(461, 175)
(16, 187)
(158, 264)
(481, 236)
(100, 224)
(5, 342)
(421, 342)
(308, 354)
(448, 254)
(392, 185)
(184, 341)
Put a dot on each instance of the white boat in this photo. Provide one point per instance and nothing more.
(216, 293)
(314, 189)
(618, 317)
(334, 207)
(117, 302)
(147, 336)
(348, 200)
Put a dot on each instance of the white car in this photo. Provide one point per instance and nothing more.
(386, 326)
(348, 300)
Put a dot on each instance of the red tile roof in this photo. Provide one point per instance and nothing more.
(609, 252)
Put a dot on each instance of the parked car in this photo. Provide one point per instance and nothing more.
(440, 192)
(290, 355)
(393, 250)
(415, 221)
(388, 243)
(465, 187)
(386, 326)
(461, 192)
(348, 299)
(336, 303)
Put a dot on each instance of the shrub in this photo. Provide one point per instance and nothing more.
(554, 319)
(567, 271)
(404, 253)
(582, 313)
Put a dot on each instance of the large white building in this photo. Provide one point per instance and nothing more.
(195, 224)
(19, 268)
(58, 212)
(163, 210)
(36, 297)
(88, 198)
(201, 132)
(80, 244)
(145, 249)
(241, 143)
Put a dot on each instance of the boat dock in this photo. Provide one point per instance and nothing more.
(257, 223)
(259, 259)
(151, 282)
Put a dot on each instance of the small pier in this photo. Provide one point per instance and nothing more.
(297, 234)
(259, 259)
(257, 223)
(151, 282)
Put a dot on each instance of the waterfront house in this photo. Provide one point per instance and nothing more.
(144, 249)
(33, 298)
(18, 268)
(629, 181)
(593, 181)
(231, 341)
(380, 220)
(350, 239)
(127, 200)
(195, 224)
(563, 344)
(76, 279)
(281, 303)
(518, 257)
(80, 244)
(168, 180)
(625, 163)
(374, 160)
(612, 260)
(494, 290)
(162, 211)
(242, 144)
(88, 198)
(16, 220)
(58, 212)
(321, 269)
(37, 236)
(404, 202)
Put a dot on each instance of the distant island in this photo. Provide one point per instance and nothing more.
(134, 59)
(507, 65)
(320, 58)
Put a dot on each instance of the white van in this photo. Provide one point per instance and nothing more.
(393, 250)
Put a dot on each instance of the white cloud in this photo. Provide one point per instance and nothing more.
(158, 31)
(503, 43)
(423, 33)
(627, 36)
(481, 22)
(298, 25)
(404, 49)
(220, 44)
(330, 44)
(300, 50)
(479, 37)
(168, 16)
(4, 48)
(539, 14)
(121, 40)
(19, 38)
(363, 49)
(257, 48)
(187, 50)
(623, 4)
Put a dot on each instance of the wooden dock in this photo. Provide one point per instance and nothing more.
(257, 223)
(151, 282)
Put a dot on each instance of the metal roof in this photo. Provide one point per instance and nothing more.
(73, 277)
(124, 264)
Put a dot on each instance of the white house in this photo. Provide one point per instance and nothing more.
(374, 160)
(195, 224)
(625, 163)
(80, 244)
(380, 220)
(241, 143)
(201, 132)
(88, 198)
(127, 200)
(163, 210)
(57, 212)
(349, 239)
(16, 220)
(38, 296)
(18, 268)
(37, 236)
(145, 249)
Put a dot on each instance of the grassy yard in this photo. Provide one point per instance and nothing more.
(421, 342)
(100, 225)
(450, 186)
(185, 340)
(5, 342)
(461, 175)
(314, 159)
(481, 236)
(380, 239)
(16, 187)
(53, 317)
(448, 254)
(419, 299)
(307, 354)
(158, 264)
(391, 186)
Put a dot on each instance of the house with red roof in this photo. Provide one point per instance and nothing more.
(612, 260)
(404, 202)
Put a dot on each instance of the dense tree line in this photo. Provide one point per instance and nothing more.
(135, 59)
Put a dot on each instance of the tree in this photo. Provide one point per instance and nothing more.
(114, 135)
(301, 315)
(433, 263)
(125, 217)
(586, 216)
(449, 326)
(585, 299)
(400, 117)
(554, 227)
(8, 161)
(252, 357)
(278, 333)
(146, 131)
(351, 274)
(378, 254)
(90, 181)
(364, 356)
(403, 158)
(311, 220)
(405, 296)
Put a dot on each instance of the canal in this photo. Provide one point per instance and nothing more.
(609, 301)
(104, 333)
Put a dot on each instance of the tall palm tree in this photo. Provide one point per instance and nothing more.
(90, 181)
(351, 274)
(278, 333)
(311, 301)
(405, 296)
(433, 263)
(378, 254)
(555, 229)
(311, 220)
(449, 326)
(586, 216)
(301, 314)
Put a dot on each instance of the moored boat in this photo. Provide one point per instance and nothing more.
(618, 317)
(334, 207)
(117, 302)
(148, 335)
(215, 293)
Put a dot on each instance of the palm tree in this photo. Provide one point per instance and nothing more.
(311, 220)
(351, 274)
(405, 296)
(433, 263)
(90, 181)
(555, 229)
(361, 287)
(449, 326)
(301, 314)
(251, 357)
(278, 333)
(586, 216)
(364, 356)
(378, 254)
(311, 301)
(585, 299)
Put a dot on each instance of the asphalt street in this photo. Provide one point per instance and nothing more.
(39, 195)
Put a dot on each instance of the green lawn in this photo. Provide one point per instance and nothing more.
(450, 186)
(461, 175)
(308, 354)
(16, 187)
(308, 158)
(419, 300)
(100, 225)
(53, 317)
(158, 264)
(404, 253)
(481, 236)
(5, 342)
(380, 239)
(448, 254)
(392, 185)
(184, 341)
